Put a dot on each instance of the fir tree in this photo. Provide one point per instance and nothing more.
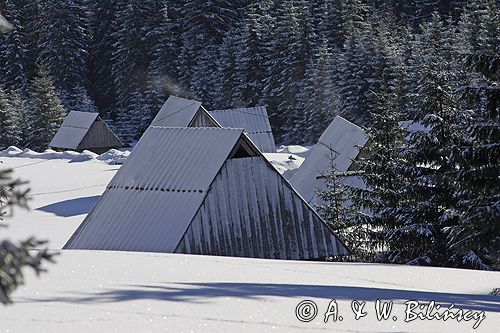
(225, 82)
(46, 111)
(474, 240)
(341, 214)
(285, 68)
(429, 206)
(62, 29)
(249, 69)
(203, 28)
(14, 257)
(318, 98)
(163, 37)
(10, 131)
(13, 48)
(381, 167)
(101, 85)
(129, 70)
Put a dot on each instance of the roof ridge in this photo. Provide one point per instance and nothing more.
(243, 108)
(199, 128)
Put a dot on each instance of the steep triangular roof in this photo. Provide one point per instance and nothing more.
(178, 112)
(341, 140)
(179, 163)
(153, 199)
(73, 129)
(254, 121)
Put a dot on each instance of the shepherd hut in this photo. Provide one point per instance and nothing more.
(84, 131)
(181, 112)
(204, 191)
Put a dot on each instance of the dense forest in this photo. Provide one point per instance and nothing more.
(433, 195)
(305, 60)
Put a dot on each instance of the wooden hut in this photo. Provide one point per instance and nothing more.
(180, 112)
(204, 191)
(84, 131)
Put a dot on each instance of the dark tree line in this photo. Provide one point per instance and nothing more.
(305, 60)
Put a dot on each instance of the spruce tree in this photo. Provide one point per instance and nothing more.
(46, 111)
(429, 205)
(249, 58)
(204, 24)
(381, 167)
(15, 256)
(14, 48)
(341, 214)
(63, 44)
(10, 124)
(164, 41)
(101, 85)
(285, 68)
(475, 239)
(20, 127)
(129, 69)
(318, 98)
(225, 82)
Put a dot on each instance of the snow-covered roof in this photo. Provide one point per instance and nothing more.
(413, 126)
(73, 129)
(341, 140)
(178, 181)
(184, 169)
(254, 120)
(4, 24)
(176, 112)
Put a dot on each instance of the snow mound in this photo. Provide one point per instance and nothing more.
(86, 155)
(294, 149)
(114, 156)
(285, 163)
(12, 150)
(48, 154)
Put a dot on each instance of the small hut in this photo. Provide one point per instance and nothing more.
(85, 131)
(337, 147)
(181, 112)
(254, 120)
(204, 191)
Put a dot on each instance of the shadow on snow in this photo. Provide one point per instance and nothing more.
(72, 207)
(201, 292)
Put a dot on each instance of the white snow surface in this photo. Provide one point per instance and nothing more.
(94, 291)
(285, 163)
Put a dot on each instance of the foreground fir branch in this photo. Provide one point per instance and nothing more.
(14, 257)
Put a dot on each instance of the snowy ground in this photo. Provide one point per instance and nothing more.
(143, 292)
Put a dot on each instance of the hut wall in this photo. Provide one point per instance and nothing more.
(250, 211)
(99, 138)
(201, 119)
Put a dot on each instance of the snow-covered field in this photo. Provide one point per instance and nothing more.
(145, 292)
